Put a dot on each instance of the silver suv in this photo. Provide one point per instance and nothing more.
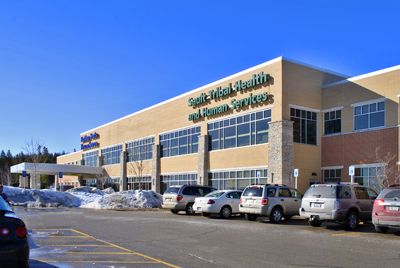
(181, 197)
(272, 200)
(345, 203)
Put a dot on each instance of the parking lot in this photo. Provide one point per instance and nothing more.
(88, 238)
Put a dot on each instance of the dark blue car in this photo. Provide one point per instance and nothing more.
(14, 247)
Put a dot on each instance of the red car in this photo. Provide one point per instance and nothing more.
(386, 211)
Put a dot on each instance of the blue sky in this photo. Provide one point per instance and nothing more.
(69, 66)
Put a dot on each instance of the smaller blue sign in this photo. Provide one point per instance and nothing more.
(60, 175)
(23, 173)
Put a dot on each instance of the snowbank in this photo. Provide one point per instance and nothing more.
(126, 200)
(85, 197)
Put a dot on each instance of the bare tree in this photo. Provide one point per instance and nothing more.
(33, 149)
(5, 175)
(139, 170)
(101, 178)
(388, 173)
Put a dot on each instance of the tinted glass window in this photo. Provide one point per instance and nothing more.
(190, 191)
(392, 194)
(321, 191)
(284, 192)
(271, 192)
(215, 194)
(237, 195)
(3, 205)
(253, 191)
(361, 193)
(371, 193)
(344, 192)
(172, 190)
(295, 193)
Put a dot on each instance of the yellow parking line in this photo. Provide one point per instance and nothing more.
(122, 262)
(69, 236)
(83, 245)
(130, 251)
(346, 234)
(99, 252)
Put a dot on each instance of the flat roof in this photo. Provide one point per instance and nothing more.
(54, 169)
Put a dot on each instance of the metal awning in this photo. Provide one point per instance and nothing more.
(54, 169)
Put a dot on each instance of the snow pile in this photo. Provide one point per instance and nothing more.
(126, 200)
(40, 198)
(85, 197)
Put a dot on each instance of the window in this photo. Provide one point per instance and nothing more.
(180, 142)
(332, 122)
(370, 176)
(177, 179)
(142, 183)
(237, 179)
(111, 155)
(304, 126)
(369, 116)
(271, 192)
(295, 193)
(344, 192)
(90, 159)
(332, 175)
(361, 193)
(284, 192)
(141, 149)
(249, 129)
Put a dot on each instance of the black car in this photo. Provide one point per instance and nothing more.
(14, 247)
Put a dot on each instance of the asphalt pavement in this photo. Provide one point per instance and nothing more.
(64, 237)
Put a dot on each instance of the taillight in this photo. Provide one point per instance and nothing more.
(21, 232)
(4, 232)
(210, 202)
(179, 198)
(379, 202)
(264, 201)
(241, 201)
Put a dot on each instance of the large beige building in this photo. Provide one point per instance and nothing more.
(255, 126)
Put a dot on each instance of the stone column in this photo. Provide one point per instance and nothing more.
(35, 180)
(123, 186)
(202, 163)
(81, 181)
(23, 182)
(281, 153)
(156, 169)
(56, 185)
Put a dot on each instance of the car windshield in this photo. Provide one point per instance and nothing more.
(172, 190)
(391, 194)
(4, 206)
(253, 191)
(321, 191)
(215, 194)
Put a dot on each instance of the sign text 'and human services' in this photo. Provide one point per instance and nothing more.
(235, 104)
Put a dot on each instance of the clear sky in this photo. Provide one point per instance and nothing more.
(69, 66)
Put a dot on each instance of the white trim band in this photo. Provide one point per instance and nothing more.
(367, 102)
(331, 167)
(304, 108)
(369, 165)
(332, 109)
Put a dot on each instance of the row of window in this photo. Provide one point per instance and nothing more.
(368, 176)
(177, 179)
(141, 149)
(111, 155)
(237, 179)
(180, 142)
(135, 183)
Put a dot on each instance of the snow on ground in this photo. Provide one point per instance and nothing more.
(85, 197)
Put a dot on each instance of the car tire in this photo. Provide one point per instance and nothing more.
(276, 215)
(189, 209)
(315, 223)
(205, 214)
(225, 212)
(381, 229)
(23, 264)
(251, 217)
(351, 221)
(174, 211)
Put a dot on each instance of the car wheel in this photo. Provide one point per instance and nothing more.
(315, 222)
(205, 214)
(174, 211)
(276, 215)
(226, 212)
(381, 229)
(189, 209)
(351, 221)
(251, 217)
(23, 264)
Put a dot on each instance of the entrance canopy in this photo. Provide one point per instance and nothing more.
(55, 169)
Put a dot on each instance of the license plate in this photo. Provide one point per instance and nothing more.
(393, 208)
(316, 205)
(199, 209)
